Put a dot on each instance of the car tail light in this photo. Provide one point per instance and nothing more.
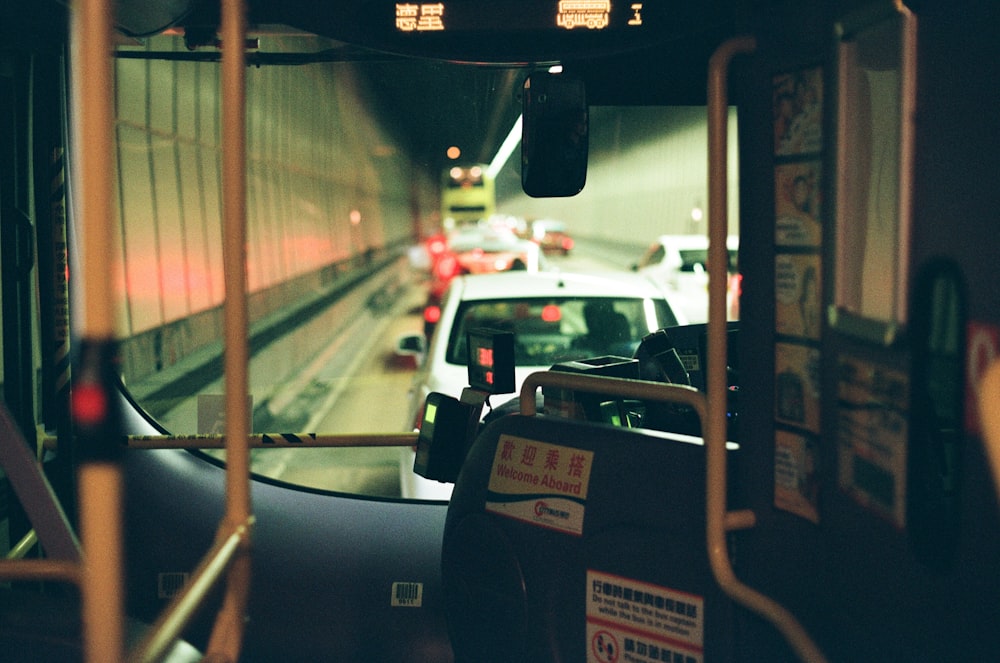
(551, 313)
(447, 267)
(436, 246)
(432, 313)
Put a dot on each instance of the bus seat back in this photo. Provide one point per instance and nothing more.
(569, 541)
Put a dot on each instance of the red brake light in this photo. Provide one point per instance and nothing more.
(447, 267)
(436, 246)
(432, 313)
(551, 313)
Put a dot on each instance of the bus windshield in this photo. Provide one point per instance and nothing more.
(347, 214)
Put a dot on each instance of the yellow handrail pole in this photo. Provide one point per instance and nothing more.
(227, 634)
(716, 387)
(174, 619)
(715, 381)
(20, 549)
(989, 413)
(40, 569)
(100, 482)
(625, 388)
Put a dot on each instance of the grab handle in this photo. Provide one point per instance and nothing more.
(715, 424)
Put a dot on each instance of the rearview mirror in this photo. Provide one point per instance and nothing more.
(554, 135)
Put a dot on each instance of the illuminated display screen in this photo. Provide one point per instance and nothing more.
(518, 15)
(430, 412)
(491, 361)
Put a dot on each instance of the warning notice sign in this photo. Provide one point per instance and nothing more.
(540, 483)
(630, 621)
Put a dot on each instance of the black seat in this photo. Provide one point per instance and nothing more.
(572, 541)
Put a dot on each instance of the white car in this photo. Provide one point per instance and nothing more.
(678, 262)
(555, 317)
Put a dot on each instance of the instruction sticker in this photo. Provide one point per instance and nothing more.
(796, 475)
(629, 621)
(873, 429)
(540, 483)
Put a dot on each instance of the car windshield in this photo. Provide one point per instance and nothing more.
(549, 331)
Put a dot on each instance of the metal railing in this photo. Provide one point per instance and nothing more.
(715, 425)
(100, 481)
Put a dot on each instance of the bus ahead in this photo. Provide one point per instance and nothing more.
(467, 195)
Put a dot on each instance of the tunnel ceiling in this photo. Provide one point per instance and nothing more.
(487, 97)
(427, 131)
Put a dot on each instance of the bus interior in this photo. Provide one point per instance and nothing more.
(209, 217)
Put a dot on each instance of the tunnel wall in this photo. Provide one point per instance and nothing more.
(329, 192)
(665, 152)
(328, 195)
(323, 187)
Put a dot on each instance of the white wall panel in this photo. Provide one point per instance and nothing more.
(312, 161)
(665, 152)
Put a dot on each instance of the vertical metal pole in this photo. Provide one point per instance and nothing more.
(989, 413)
(228, 632)
(715, 382)
(100, 482)
(715, 426)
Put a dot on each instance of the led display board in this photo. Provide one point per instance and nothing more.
(517, 15)
(491, 361)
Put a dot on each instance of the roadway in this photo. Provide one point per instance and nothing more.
(366, 394)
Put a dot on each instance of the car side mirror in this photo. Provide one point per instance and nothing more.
(554, 135)
(412, 348)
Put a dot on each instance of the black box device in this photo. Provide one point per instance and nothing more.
(491, 361)
(444, 436)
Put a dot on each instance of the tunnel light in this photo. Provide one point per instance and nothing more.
(507, 148)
